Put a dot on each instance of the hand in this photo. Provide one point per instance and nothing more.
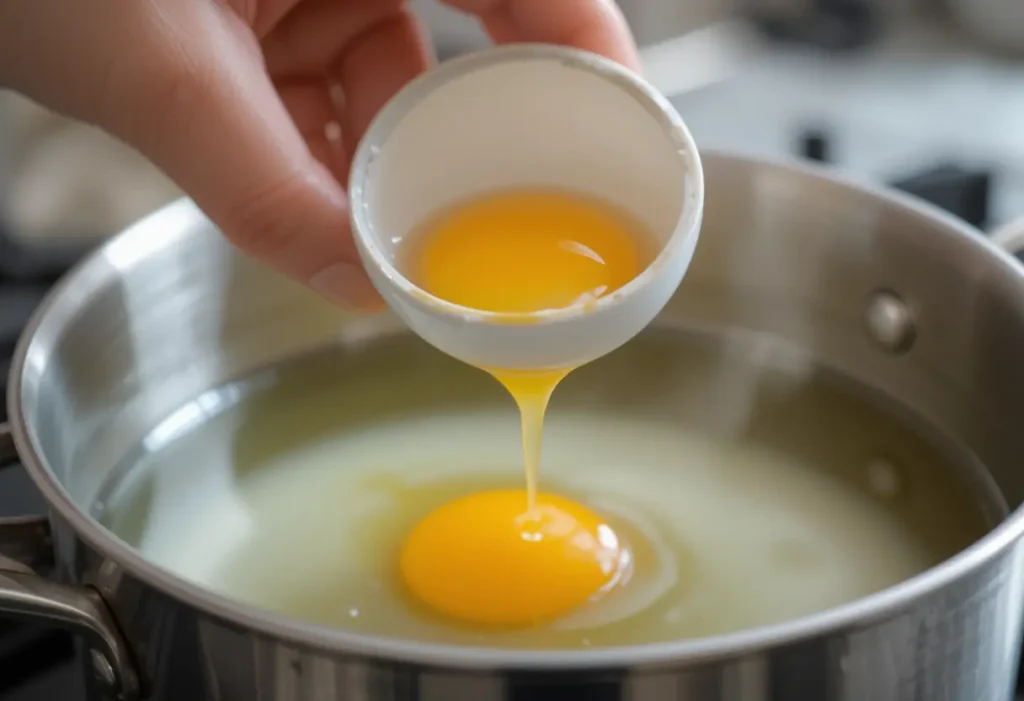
(254, 107)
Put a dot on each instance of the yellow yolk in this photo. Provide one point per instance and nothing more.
(526, 251)
(531, 390)
(515, 558)
(483, 559)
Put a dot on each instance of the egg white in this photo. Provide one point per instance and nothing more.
(740, 536)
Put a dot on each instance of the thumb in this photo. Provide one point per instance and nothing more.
(205, 111)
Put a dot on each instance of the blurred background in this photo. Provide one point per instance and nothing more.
(924, 94)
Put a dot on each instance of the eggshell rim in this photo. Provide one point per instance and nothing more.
(388, 119)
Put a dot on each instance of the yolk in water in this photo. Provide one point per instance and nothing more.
(511, 557)
(485, 560)
(526, 251)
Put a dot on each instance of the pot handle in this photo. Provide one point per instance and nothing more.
(1010, 237)
(24, 594)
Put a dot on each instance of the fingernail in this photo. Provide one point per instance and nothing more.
(346, 284)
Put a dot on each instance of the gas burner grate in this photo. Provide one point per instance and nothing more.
(962, 191)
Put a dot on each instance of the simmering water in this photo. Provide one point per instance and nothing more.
(759, 492)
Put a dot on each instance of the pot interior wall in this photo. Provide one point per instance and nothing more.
(168, 311)
(828, 494)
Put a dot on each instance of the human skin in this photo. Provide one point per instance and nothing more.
(254, 107)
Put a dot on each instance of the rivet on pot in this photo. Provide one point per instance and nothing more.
(102, 668)
(890, 322)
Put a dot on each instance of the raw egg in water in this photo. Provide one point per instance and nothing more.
(514, 558)
(514, 566)
(526, 251)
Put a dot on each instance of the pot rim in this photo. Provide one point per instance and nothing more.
(60, 305)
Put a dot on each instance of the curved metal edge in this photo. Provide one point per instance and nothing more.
(174, 220)
(24, 543)
(1010, 237)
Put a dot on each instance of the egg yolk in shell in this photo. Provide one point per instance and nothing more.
(515, 558)
(526, 251)
(485, 559)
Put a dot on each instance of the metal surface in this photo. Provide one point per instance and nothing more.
(1010, 236)
(167, 310)
(24, 543)
(890, 322)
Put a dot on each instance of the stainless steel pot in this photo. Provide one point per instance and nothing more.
(891, 291)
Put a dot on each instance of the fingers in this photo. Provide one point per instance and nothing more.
(319, 119)
(375, 67)
(264, 155)
(208, 114)
(371, 48)
(310, 39)
(593, 25)
(186, 84)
